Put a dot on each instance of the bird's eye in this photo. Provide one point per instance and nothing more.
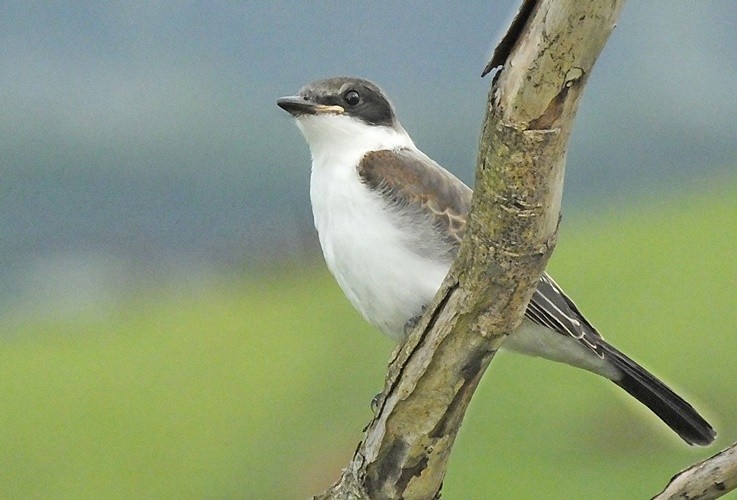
(351, 97)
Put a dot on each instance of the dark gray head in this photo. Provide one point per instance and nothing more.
(342, 95)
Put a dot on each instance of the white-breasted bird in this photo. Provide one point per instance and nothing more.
(390, 221)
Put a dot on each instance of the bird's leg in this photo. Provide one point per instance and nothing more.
(408, 326)
(376, 400)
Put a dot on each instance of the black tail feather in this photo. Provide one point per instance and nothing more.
(666, 404)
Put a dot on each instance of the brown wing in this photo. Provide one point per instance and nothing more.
(412, 182)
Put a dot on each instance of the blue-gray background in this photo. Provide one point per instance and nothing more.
(142, 138)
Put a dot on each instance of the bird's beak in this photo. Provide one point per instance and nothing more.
(298, 105)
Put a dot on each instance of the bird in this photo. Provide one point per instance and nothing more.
(390, 221)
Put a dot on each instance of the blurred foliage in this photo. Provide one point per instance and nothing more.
(258, 386)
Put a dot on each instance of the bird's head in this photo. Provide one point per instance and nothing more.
(345, 113)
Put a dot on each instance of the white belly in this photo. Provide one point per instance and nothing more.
(370, 257)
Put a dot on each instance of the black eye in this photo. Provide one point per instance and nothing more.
(351, 97)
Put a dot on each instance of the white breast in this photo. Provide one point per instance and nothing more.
(364, 248)
(366, 251)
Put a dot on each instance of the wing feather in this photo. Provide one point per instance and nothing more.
(411, 181)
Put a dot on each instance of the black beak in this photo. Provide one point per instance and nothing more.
(298, 105)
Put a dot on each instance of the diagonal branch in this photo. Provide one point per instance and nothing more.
(712, 478)
(512, 228)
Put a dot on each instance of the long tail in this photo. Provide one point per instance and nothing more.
(666, 404)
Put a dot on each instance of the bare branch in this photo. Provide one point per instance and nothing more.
(511, 233)
(712, 478)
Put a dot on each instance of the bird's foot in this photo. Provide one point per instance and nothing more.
(412, 322)
(376, 401)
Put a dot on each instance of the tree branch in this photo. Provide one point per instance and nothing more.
(712, 478)
(511, 232)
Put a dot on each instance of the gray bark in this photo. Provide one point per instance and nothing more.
(712, 478)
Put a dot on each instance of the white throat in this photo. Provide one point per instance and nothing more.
(342, 139)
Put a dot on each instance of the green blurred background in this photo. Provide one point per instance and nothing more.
(258, 386)
(168, 328)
